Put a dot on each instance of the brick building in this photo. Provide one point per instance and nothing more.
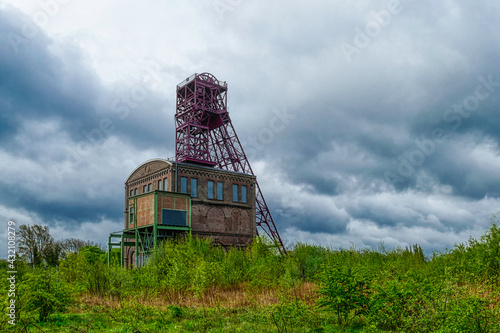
(164, 199)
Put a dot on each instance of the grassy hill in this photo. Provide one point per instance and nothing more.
(193, 286)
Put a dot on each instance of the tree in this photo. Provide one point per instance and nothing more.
(74, 245)
(52, 254)
(92, 253)
(32, 242)
(36, 245)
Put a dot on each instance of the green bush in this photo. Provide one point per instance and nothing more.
(310, 259)
(46, 293)
(289, 315)
(471, 314)
(399, 304)
(344, 292)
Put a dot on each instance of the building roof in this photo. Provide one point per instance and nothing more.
(168, 161)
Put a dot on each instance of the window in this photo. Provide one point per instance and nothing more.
(165, 184)
(194, 187)
(131, 215)
(159, 185)
(131, 193)
(235, 192)
(220, 191)
(174, 217)
(184, 185)
(144, 189)
(135, 192)
(244, 193)
(210, 186)
(150, 187)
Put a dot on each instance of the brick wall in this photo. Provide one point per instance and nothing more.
(225, 221)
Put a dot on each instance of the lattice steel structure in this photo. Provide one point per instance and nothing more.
(205, 135)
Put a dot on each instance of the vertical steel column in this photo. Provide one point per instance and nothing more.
(109, 249)
(136, 247)
(155, 225)
(155, 232)
(122, 249)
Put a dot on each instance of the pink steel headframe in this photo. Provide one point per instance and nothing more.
(205, 135)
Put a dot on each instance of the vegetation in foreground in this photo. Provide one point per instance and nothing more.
(193, 286)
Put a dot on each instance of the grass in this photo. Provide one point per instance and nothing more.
(218, 310)
(193, 286)
(230, 298)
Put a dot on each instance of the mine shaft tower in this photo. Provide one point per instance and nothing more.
(205, 136)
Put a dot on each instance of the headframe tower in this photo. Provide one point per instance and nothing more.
(205, 135)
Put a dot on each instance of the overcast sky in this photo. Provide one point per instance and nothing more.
(365, 122)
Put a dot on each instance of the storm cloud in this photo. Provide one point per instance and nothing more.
(365, 123)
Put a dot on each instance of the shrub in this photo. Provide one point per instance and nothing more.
(397, 303)
(310, 259)
(289, 314)
(45, 292)
(471, 314)
(344, 292)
